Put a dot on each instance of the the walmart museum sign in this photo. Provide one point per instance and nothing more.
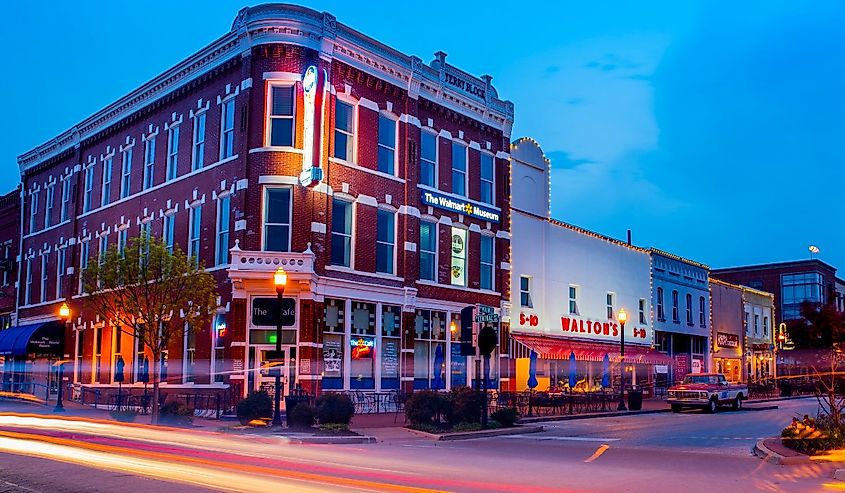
(460, 206)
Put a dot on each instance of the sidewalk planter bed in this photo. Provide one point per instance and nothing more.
(456, 411)
(813, 436)
(257, 405)
(175, 414)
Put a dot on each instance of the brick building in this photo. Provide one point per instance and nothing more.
(10, 219)
(378, 182)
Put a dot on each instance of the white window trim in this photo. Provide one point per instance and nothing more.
(492, 263)
(88, 193)
(44, 277)
(126, 186)
(482, 180)
(576, 299)
(195, 114)
(49, 204)
(268, 105)
(352, 228)
(149, 166)
(27, 296)
(264, 215)
(528, 291)
(466, 168)
(354, 136)
(219, 231)
(61, 269)
(168, 227)
(611, 305)
(33, 211)
(223, 102)
(395, 119)
(64, 212)
(393, 212)
(435, 134)
(436, 226)
(172, 151)
(191, 212)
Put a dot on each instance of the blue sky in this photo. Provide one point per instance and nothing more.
(714, 130)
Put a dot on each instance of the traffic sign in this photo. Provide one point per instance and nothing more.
(486, 314)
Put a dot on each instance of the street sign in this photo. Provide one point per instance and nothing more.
(486, 314)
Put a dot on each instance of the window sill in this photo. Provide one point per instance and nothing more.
(348, 270)
(382, 174)
(461, 288)
(289, 149)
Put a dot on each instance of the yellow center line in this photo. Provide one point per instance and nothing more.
(303, 476)
(598, 453)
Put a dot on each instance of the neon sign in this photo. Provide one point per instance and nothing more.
(312, 173)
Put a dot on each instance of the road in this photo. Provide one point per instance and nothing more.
(686, 452)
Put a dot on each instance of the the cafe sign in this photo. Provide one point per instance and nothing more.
(265, 312)
(727, 340)
(460, 206)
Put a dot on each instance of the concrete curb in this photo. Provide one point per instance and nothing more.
(570, 417)
(772, 457)
(774, 399)
(760, 408)
(329, 440)
(468, 435)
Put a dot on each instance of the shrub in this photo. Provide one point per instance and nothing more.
(124, 415)
(335, 408)
(255, 406)
(811, 436)
(338, 428)
(175, 413)
(301, 416)
(505, 416)
(464, 406)
(426, 407)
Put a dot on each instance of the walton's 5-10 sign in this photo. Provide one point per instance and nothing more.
(460, 206)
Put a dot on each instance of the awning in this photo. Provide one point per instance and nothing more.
(549, 347)
(45, 339)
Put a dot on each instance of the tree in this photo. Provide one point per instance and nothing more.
(152, 293)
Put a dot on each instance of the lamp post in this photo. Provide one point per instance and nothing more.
(280, 279)
(622, 317)
(64, 314)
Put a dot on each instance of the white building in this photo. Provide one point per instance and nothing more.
(568, 287)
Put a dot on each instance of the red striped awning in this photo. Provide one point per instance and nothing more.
(549, 347)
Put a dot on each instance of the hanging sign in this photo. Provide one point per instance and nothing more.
(314, 98)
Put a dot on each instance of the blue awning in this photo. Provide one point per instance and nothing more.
(43, 339)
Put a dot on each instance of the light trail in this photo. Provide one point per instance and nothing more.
(597, 453)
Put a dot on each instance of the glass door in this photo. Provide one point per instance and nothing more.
(265, 371)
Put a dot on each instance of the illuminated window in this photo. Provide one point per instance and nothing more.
(277, 205)
(149, 162)
(428, 159)
(386, 145)
(341, 233)
(281, 116)
(126, 180)
(459, 169)
(107, 174)
(428, 251)
(385, 241)
(48, 211)
(223, 219)
(486, 177)
(198, 152)
(227, 124)
(172, 152)
(344, 131)
(486, 259)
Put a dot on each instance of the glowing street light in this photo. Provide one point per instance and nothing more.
(280, 280)
(622, 317)
(64, 315)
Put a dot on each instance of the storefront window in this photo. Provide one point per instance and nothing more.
(458, 366)
(429, 350)
(390, 346)
(362, 346)
(333, 344)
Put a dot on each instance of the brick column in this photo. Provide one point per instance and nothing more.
(236, 323)
(407, 383)
(309, 356)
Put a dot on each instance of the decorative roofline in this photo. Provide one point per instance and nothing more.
(293, 24)
(679, 259)
(600, 236)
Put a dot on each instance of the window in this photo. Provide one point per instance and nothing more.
(611, 313)
(766, 326)
(190, 354)
(61, 260)
(107, 172)
(79, 345)
(747, 323)
(194, 229)
(798, 288)
(83, 263)
(33, 211)
(428, 251)
(573, 299)
(363, 331)
(341, 233)
(27, 296)
(428, 159)
(430, 335)
(281, 116)
(642, 310)
(756, 324)
(459, 169)
(222, 256)
(198, 152)
(7, 258)
(344, 136)
(386, 145)
(126, 180)
(525, 292)
(661, 313)
(227, 124)
(65, 199)
(89, 189)
(44, 278)
(676, 316)
(334, 343)
(167, 228)
(702, 318)
(385, 242)
(122, 239)
(486, 178)
(662, 341)
(391, 317)
(144, 246)
(172, 152)
(486, 262)
(149, 162)
(277, 219)
(48, 211)
(689, 309)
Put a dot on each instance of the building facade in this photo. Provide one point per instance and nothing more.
(681, 300)
(10, 219)
(758, 310)
(569, 286)
(728, 330)
(378, 182)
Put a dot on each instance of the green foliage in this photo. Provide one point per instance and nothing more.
(338, 428)
(426, 407)
(813, 436)
(176, 413)
(301, 416)
(335, 408)
(464, 405)
(124, 415)
(505, 416)
(256, 405)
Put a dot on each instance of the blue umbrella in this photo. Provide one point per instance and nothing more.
(605, 372)
(144, 375)
(118, 377)
(573, 378)
(438, 369)
(532, 371)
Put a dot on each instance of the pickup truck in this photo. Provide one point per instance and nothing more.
(707, 391)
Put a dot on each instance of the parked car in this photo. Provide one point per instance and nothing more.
(707, 391)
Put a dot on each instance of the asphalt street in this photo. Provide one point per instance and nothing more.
(686, 452)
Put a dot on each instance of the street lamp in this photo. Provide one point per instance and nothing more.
(64, 314)
(280, 279)
(622, 317)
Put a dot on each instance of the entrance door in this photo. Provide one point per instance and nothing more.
(265, 373)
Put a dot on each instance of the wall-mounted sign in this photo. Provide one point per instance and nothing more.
(697, 365)
(313, 87)
(599, 330)
(332, 358)
(459, 257)
(465, 86)
(265, 312)
(362, 348)
(460, 206)
(727, 340)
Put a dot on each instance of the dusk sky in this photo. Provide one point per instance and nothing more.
(714, 130)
